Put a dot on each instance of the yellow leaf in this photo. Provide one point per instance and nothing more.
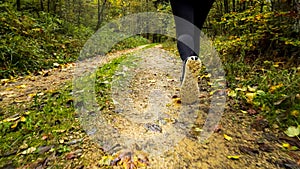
(273, 88)
(206, 76)
(22, 119)
(21, 86)
(233, 157)
(250, 97)
(286, 145)
(4, 81)
(251, 89)
(32, 95)
(243, 111)
(58, 131)
(11, 119)
(295, 113)
(14, 125)
(232, 93)
(29, 150)
(241, 89)
(228, 138)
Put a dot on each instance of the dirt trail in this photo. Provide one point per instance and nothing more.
(169, 141)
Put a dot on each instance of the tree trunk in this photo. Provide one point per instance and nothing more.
(262, 7)
(226, 6)
(42, 5)
(100, 12)
(48, 6)
(79, 12)
(19, 5)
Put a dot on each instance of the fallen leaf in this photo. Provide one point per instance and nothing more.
(23, 119)
(44, 137)
(106, 160)
(252, 111)
(28, 151)
(228, 138)
(250, 97)
(21, 86)
(4, 81)
(232, 93)
(233, 157)
(55, 64)
(273, 88)
(10, 119)
(14, 125)
(241, 89)
(58, 131)
(32, 95)
(243, 111)
(295, 113)
(251, 89)
(286, 145)
(292, 131)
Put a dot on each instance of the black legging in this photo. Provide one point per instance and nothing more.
(195, 12)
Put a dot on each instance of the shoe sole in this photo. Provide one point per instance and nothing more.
(189, 86)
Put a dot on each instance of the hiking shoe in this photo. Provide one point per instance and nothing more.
(189, 80)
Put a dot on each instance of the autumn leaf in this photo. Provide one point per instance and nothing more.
(286, 145)
(10, 119)
(273, 88)
(243, 111)
(228, 138)
(251, 89)
(14, 125)
(106, 160)
(250, 97)
(292, 131)
(295, 113)
(22, 119)
(236, 157)
(4, 81)
(21, 86)
(28, 151)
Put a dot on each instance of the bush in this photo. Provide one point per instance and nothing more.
(30, 44)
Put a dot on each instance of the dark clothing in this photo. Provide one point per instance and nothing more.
(188, 34)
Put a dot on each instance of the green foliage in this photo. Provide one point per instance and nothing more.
(30, 44)
(259, 45)
(130, 42)
(270, 89)
(255, 33)
(46, 121)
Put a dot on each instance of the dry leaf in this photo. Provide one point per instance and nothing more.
(233, 157)
(28, 151)
(14, 125)
(228, 138)
(21, 86)
(273, 88)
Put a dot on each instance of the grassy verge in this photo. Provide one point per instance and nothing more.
(48, 125)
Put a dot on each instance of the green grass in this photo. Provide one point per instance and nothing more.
(48, 120)
(44, 123)
(274, 84)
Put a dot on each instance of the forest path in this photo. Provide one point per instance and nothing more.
(239, 140)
